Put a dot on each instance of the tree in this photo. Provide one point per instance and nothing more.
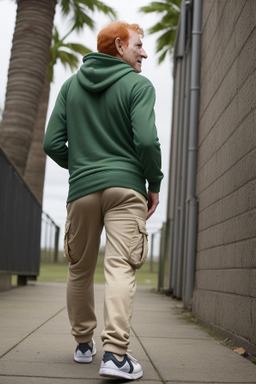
(28, 67)
(35, 166)
(168, 24)
(27, 71)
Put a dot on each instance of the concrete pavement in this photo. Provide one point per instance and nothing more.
(36, 346)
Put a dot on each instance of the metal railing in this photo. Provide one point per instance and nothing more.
(20, 225)
(49, 240)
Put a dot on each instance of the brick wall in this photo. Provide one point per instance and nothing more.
(225, 291)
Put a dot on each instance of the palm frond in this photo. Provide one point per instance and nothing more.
(68, 59)
(166, 41)
(94, 5)
(65, 6)
(160, 28)
(80, 19)
(80, 11)
(65, 52)
(170, 11)
(78, 48)
(161, 6)
(162, 57)
(155, 6)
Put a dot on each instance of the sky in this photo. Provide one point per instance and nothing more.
(56, 178)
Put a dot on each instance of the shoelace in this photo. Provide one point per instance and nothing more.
(132, 358)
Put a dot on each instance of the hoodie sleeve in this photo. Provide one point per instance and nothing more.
(55, 141)
(145, 136)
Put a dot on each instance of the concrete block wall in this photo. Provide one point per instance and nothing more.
(225, 288)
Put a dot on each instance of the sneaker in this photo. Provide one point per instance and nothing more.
(84, 353)
(129, 368)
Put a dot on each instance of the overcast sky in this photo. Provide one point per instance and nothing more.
(56, 179)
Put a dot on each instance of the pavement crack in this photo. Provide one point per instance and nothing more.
(31, 333)
(151, 361)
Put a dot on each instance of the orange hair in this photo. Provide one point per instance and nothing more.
(107, 36)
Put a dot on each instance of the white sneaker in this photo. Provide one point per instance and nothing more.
(84, 353)
(129, 368)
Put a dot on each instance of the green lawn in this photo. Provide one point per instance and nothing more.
(58, 273)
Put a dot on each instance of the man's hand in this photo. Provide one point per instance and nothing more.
(153, 201)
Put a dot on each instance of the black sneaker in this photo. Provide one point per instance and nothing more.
(129, 368)
(84, 353)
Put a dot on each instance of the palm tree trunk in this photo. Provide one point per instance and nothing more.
(35, 167)
(27, 72)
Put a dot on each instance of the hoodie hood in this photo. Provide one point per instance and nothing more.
(99, 71)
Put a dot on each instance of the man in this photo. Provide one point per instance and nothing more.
(102, 129)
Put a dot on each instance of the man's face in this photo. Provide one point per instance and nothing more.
(133, 53)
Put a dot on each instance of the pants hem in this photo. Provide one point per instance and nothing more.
(114, 349)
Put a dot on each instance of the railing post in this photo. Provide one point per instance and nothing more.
(161, 260)
(152, 252)
(56, 244)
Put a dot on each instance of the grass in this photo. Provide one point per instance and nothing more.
(57, 272)
(225, 342)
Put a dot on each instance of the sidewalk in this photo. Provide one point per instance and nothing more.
(36, 346)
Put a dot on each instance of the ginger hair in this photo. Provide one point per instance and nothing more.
(107, 36)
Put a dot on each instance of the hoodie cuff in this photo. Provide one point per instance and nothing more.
(154, 187)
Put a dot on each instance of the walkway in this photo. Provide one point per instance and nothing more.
(36, 346)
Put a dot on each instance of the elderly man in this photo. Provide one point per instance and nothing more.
(102, 129)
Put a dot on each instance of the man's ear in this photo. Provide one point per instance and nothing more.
(119, 46)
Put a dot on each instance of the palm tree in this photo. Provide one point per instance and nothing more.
(27, 71)
(168, 24)
(28, 67)
(35, 166)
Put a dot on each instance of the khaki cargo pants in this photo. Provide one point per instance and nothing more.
(123, 213)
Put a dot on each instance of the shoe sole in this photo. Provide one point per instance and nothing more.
(114, 373)
(84, 360)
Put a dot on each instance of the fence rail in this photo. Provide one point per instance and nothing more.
(49, 239)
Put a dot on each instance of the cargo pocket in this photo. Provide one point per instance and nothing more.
(139, 244)
(69, 249)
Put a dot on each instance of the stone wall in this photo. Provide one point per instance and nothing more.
(225, 289)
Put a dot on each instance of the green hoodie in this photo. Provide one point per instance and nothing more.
(102, 129)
